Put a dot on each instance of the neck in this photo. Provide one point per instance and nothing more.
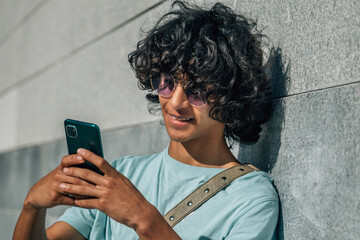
(203, 153)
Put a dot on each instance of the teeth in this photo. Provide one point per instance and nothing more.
(179, 118)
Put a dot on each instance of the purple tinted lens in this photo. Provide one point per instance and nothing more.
(196, 99)
(163, 85)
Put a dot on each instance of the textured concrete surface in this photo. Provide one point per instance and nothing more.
(94, 81)
(57, 29)
(19, 170)
(145, 139)
(8, 122)
(312, 148)
(97, 79)
(319, 38)
(12, 12)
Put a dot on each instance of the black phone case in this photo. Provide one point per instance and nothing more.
(88, 137)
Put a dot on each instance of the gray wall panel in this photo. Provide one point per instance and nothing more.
(311, 148)
(319, 38)
(145, 139)
(97, 80)
(13, 12)
(8, 120)
(7, 222)
(56, 30)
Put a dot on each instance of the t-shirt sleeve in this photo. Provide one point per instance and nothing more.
(79, 218)
(259, 223)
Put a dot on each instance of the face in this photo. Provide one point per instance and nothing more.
(185, 122)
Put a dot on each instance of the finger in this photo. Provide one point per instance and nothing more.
(89, 191)
(87, 203)
(84, 174)
(76, 181)
(71, 160)
(66, 200)
(98, 161)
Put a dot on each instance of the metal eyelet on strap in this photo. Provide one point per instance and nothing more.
(216, 183)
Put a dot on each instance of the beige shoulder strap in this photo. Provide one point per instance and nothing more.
(205, 192)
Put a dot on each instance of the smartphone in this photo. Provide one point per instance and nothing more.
(83, 135)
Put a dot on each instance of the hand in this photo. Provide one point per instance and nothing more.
(46, 192)
(112, 193)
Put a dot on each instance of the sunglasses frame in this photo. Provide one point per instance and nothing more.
(175, 85)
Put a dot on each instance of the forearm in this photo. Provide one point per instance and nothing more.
(31, 224)
(155, 227)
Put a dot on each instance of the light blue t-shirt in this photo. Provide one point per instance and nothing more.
(246, 209)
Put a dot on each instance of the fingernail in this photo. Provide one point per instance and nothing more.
(79, 158)
(66, 170)
(80, 151)
(62, 185)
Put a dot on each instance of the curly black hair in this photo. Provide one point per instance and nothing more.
(221, 53)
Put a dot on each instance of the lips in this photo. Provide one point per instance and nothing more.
(179, 121)
(180, 118)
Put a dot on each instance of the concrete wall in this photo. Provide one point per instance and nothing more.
(68, 59)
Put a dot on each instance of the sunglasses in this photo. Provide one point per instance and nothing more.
(165, 85)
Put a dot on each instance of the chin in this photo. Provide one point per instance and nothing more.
(179, 139)
(179, 136)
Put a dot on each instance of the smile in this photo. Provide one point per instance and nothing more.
(180, 118)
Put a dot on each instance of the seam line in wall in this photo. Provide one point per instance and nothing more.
(315, 90)
(74, 52)
(103, 132)
(25, 18)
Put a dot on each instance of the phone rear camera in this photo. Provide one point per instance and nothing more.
(71, 131)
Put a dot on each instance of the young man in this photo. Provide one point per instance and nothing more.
(205, 70)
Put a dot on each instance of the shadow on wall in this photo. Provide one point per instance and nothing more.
(264, 154)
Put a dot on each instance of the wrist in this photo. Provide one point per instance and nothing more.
(153, 226)
(145, 222)
(29, 206)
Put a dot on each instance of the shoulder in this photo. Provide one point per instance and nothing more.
(258, 211)
(257, 204)
(256, 186)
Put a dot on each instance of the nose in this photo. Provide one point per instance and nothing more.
(178, 99)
